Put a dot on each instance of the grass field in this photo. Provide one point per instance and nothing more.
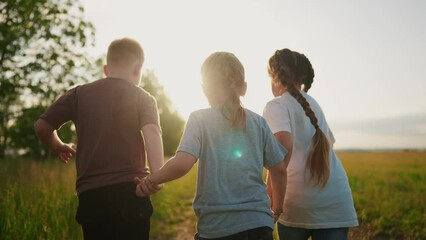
(37, 199)
(389, 191)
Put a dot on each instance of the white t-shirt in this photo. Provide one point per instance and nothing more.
(305, 205)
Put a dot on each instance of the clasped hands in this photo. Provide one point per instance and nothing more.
(146, 187)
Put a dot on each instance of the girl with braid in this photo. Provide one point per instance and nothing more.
(232, 146)
(318, 200)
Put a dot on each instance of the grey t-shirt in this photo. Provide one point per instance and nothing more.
(231, 194)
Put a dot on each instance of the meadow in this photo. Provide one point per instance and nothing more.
(38, 201)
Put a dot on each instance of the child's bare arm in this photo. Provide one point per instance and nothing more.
(278, 182)
(278, 178)
(175, 168)
(153, 146)
(49, 137)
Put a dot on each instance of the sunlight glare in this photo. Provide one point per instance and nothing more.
(237, 153)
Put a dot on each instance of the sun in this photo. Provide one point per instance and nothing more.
(177, 42)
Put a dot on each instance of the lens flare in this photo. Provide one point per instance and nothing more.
(237, 154)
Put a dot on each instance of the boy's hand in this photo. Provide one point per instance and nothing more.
(65, 151)
(145, 187)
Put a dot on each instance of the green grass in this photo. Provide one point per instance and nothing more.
(38, 201)
(389, 191)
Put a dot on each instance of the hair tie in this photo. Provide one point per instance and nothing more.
(316, 126)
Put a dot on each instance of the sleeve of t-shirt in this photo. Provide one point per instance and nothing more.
(327, 130)
(273, 152)
(61, 111)
(277, 116)
(330, 135)
(149, 111)
(191, 138)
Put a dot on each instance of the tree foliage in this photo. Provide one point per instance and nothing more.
(171, 122)
(42, 53)
(43, 46)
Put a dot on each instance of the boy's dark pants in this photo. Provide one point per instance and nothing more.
(114, 212)
(262, 233)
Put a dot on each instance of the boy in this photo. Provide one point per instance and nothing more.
(117, 123)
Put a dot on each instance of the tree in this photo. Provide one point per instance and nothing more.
(171, 123)
(42, 53)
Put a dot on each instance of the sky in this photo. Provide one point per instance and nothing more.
(369, 56)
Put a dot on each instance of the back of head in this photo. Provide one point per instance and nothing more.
(222, 70)
(124, 54)
(222, 73)
(304, 73)
(293, 69)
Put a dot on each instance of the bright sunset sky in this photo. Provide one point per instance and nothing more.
(369, 56)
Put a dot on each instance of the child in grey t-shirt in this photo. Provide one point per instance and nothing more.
(232, 145)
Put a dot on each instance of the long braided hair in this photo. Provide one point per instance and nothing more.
(294, 70)
(222, 72)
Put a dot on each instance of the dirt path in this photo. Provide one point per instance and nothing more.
(185, 230)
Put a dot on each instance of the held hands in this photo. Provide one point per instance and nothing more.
(65, 151)
(276, 216)
(146, 187)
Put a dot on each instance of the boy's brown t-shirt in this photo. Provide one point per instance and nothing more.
(108, 115)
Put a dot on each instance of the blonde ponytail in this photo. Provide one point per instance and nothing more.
(222, 71)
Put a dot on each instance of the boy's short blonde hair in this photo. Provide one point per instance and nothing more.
(124, 53)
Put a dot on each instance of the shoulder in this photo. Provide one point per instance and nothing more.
(69, 94)
(143, 96)
(144, 93)
(256, 120)
(200, 111)
(93, 87)
(252, 115)
(201, 114)
(313, 103)
(277, 104)
(198, 118)
(282, 100)
(310, 98)
(94, 83)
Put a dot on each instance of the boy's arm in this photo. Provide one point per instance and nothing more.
(153, 146)
(49, 137)
(176, 167)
